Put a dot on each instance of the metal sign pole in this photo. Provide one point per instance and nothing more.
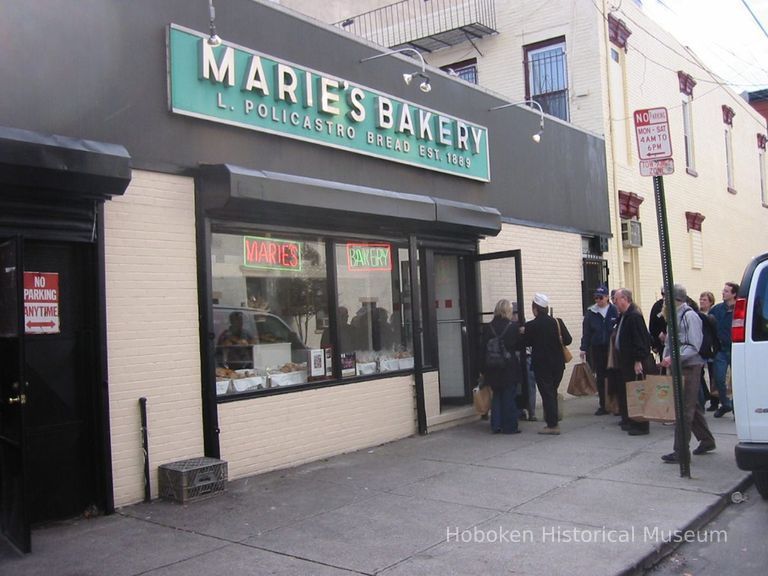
(672, 328)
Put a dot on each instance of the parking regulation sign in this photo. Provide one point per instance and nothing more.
(41, 303)
(652, 130)
(663, 167)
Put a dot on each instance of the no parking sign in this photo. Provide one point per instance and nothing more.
(41, 303)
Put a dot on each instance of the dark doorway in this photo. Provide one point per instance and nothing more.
(595, 273)
(61, 371)
(52, 464)
(14, 493)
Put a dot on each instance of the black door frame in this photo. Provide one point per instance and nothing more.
(14, 462)
(476, 331)
(102, 467)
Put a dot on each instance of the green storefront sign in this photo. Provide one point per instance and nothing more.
(238, 86)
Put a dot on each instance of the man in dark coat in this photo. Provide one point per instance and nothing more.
(599, 322)
(633, 347)
(547, 361)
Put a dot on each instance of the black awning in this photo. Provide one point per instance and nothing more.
(87, 169)
(225, 183)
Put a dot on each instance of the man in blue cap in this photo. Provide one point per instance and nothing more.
(599, 322)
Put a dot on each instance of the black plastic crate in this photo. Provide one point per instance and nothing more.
(191, 480)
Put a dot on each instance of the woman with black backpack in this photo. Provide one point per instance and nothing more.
(500, 367)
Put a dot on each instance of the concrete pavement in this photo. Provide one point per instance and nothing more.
(592, 501)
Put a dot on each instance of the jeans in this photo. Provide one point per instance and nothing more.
(504, 409)
(721, 363)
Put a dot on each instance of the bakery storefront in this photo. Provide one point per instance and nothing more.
(279, 243)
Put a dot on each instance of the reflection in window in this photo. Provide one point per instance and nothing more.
(267, 292)
(374, 295)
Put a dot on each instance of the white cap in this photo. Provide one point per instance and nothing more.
(541, 300)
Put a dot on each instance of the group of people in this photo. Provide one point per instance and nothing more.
(619, 347)
(720, 316)
(545, 336)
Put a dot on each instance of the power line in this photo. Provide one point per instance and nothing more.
(759, 24)
(700, 64)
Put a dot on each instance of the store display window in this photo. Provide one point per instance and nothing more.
(373, 297)
(272, 310)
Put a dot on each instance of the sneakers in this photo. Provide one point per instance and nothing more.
(551, 431)
(671, 458)
(722, 411)
(601, 412)
(703, 448)
(532, 419)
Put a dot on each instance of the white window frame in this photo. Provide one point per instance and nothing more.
(763, 182)
(729, 168)
(690, 160)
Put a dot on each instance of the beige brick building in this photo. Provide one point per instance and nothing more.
(593, 64)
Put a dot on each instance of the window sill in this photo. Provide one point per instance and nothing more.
(691, 172)
(731, 190)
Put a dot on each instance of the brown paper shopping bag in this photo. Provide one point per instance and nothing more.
(481, 398)
(652, 399)
(582, 382)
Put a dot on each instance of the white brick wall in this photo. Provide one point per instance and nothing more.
(152, 328)
(289, 429)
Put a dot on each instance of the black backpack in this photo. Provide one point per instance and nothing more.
(496, 354)
(710, 344)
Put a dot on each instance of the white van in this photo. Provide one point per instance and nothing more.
(749, 369)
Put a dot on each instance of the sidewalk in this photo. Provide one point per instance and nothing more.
(592, 501)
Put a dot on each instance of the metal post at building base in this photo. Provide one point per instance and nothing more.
(672, 329)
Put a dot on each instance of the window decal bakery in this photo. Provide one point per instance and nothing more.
(271, 253)
(369, 257)
(234, 85)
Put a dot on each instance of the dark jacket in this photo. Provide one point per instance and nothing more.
(546, 351)
(724, 317)
(657, 324)
(633, 342)
(511, 374)
(596, 329)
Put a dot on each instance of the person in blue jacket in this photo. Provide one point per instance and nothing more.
(599, 322)
(723, 313)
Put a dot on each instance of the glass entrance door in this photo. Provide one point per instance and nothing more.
(451, 328)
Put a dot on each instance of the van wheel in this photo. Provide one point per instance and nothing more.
(761, 482)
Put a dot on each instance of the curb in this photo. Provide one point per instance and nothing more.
(705, 517)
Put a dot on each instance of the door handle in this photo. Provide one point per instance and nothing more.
(20, 399)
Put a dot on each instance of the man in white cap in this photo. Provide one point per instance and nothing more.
(542, 334)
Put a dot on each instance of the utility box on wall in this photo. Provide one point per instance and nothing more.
(191, 480)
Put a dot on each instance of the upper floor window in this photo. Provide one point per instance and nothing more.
(729, 169)
(761, 145)
(466, 70)
(763, 184)
(546, 79)
(690, 162)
